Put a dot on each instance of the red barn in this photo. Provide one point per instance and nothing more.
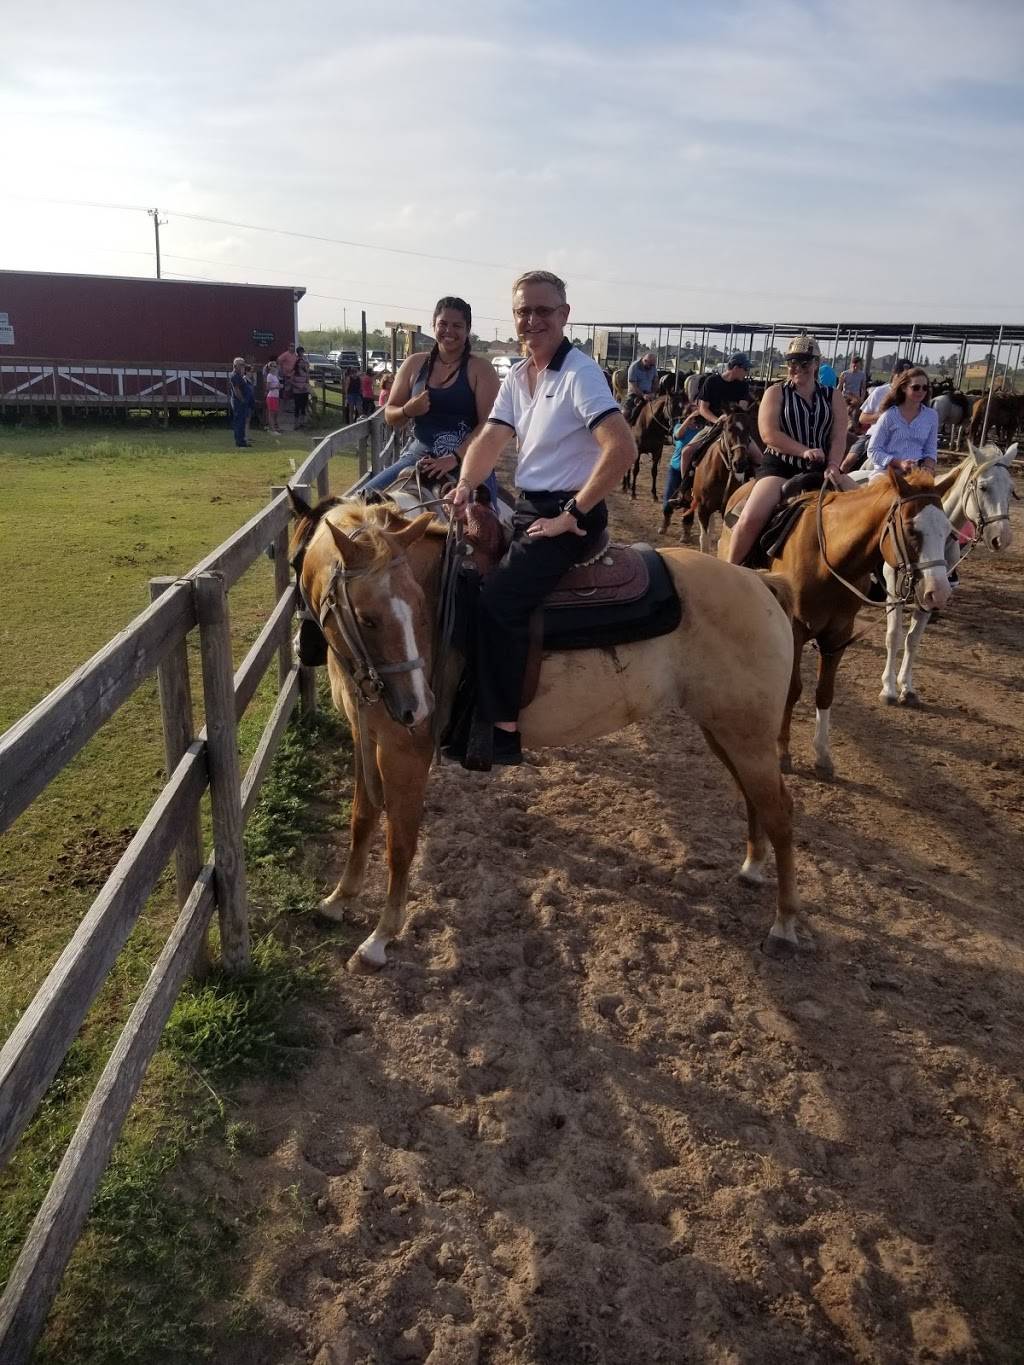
(104, 341)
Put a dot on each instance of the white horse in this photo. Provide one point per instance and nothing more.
(978, 490)
(954, 413)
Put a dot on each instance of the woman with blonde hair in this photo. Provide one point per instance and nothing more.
(906, 434)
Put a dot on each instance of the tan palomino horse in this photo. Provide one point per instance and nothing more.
(371, 578)
(895, 519)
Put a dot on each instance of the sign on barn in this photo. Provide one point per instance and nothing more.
(262, 338)
(6, 330)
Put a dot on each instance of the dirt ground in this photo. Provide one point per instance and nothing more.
(582, 1118)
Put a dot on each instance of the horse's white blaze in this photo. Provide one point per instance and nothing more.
(403, 613)
(822, 751)
(372, 949)
(933, 526)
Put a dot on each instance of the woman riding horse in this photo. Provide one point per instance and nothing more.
(803, 426)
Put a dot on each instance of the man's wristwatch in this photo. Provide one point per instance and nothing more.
(577, 516)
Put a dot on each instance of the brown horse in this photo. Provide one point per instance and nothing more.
(839, 541)
(723, 468)
(372, 579)
(651, 428)
(1004, 414)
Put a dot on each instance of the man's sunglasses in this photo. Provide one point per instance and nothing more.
(917, 388)
(540, 310)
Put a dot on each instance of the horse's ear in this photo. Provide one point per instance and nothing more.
(346, 547)
(1009, 455)
(896, 479)
(300, 507)
(415, 531)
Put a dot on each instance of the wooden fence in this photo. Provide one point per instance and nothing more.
(35, 750)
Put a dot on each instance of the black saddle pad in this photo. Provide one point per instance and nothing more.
(595, 625)
(780, 527)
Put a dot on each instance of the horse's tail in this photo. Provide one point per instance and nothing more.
(782, 590)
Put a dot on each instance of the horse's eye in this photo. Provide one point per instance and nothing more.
(370, 622)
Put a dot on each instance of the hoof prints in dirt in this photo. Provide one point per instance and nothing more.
(587, 1119)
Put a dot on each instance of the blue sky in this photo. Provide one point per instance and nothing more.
(675, 162)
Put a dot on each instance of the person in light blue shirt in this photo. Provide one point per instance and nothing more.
(683, 433)
(906, 434)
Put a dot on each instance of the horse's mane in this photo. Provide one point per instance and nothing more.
(370, 521)
(352, 515)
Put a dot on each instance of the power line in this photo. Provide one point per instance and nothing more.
(495, 265)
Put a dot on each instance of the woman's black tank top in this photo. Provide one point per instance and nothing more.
(452, 414)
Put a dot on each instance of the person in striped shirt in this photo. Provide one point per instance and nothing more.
(906, 434)
(803, 426)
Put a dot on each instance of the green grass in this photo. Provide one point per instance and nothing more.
(88, 516)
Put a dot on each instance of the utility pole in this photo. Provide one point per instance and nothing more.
(158, 223)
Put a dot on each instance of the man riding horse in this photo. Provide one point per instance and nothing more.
(642, 384)
(574, 448)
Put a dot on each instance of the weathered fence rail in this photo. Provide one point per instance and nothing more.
(41, 744)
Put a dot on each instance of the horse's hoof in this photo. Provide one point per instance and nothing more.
(888, 698)
(910, 699)
(825, 768)
(335, 910)
(358, 965)
(779, 948)
(785, 763)
(752, 875)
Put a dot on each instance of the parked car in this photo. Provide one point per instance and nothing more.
(503, 363)
(346, 360)
(322, 369)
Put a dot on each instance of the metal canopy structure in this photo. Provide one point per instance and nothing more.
(1003, 343)
(838, 340)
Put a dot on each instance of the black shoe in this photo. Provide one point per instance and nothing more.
(508, 749)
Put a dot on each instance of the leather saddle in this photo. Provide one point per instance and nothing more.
(623, 593)
(781, 524)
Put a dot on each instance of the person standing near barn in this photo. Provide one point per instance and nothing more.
(366, 391)
(241, 401)
(300, 386)
(272, 386)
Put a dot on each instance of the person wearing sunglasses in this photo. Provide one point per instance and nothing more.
(906, 434)
(803, 427)
(574, 448)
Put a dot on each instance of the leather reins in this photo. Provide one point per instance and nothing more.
(908, 571)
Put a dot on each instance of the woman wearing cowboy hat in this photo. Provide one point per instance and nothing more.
(803, 427)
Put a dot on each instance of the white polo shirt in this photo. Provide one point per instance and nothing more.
(557, 447)
(874, 400)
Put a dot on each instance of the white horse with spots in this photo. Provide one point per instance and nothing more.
(976, 494)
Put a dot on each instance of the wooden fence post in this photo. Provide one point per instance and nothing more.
(281, 580)
(375, 446)
(225, 777)
(56, 397)
(179, 732)
(363, 463)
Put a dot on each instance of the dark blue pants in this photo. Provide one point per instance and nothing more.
(511, 594)
(672, 485)
(238, 415)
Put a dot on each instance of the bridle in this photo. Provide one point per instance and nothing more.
(908, 570)
(981, 520)
(737, 451)
(367, 676)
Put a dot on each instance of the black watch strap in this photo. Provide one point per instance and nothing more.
(578, 516)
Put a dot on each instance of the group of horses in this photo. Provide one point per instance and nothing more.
(371, 575)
